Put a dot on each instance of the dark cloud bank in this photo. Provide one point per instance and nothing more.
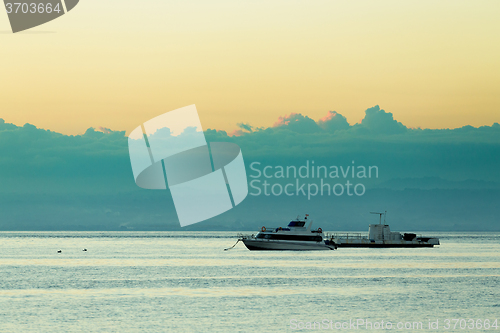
(428, 179)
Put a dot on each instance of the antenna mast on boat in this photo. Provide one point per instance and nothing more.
(380, 221)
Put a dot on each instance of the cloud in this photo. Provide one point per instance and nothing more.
(244, 128)
(297, 123)
(333, 121)
(104, 130)
(378, 121)
(73, 181)
(37, 160)
(456, 155)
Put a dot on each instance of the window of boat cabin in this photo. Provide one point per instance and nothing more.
(304, 238)
(296, 224)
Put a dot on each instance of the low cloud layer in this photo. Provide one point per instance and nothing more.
(54, 181)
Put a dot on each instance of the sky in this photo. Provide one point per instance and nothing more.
(117, 64)
(412, 87)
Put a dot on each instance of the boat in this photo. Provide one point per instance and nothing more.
(380, 235)
(295, 237)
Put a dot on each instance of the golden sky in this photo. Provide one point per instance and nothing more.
(118, 63)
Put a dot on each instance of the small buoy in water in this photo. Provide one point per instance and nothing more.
(84, 250)
(59, 251)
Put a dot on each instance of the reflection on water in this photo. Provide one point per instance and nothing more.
(185, 281)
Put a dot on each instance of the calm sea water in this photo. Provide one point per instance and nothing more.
(186, 282)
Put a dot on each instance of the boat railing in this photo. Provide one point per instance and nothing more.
(347, 235)
(277, 229)
(240, 235)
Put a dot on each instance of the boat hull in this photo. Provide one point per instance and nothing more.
(270, 245)
(384, 244)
